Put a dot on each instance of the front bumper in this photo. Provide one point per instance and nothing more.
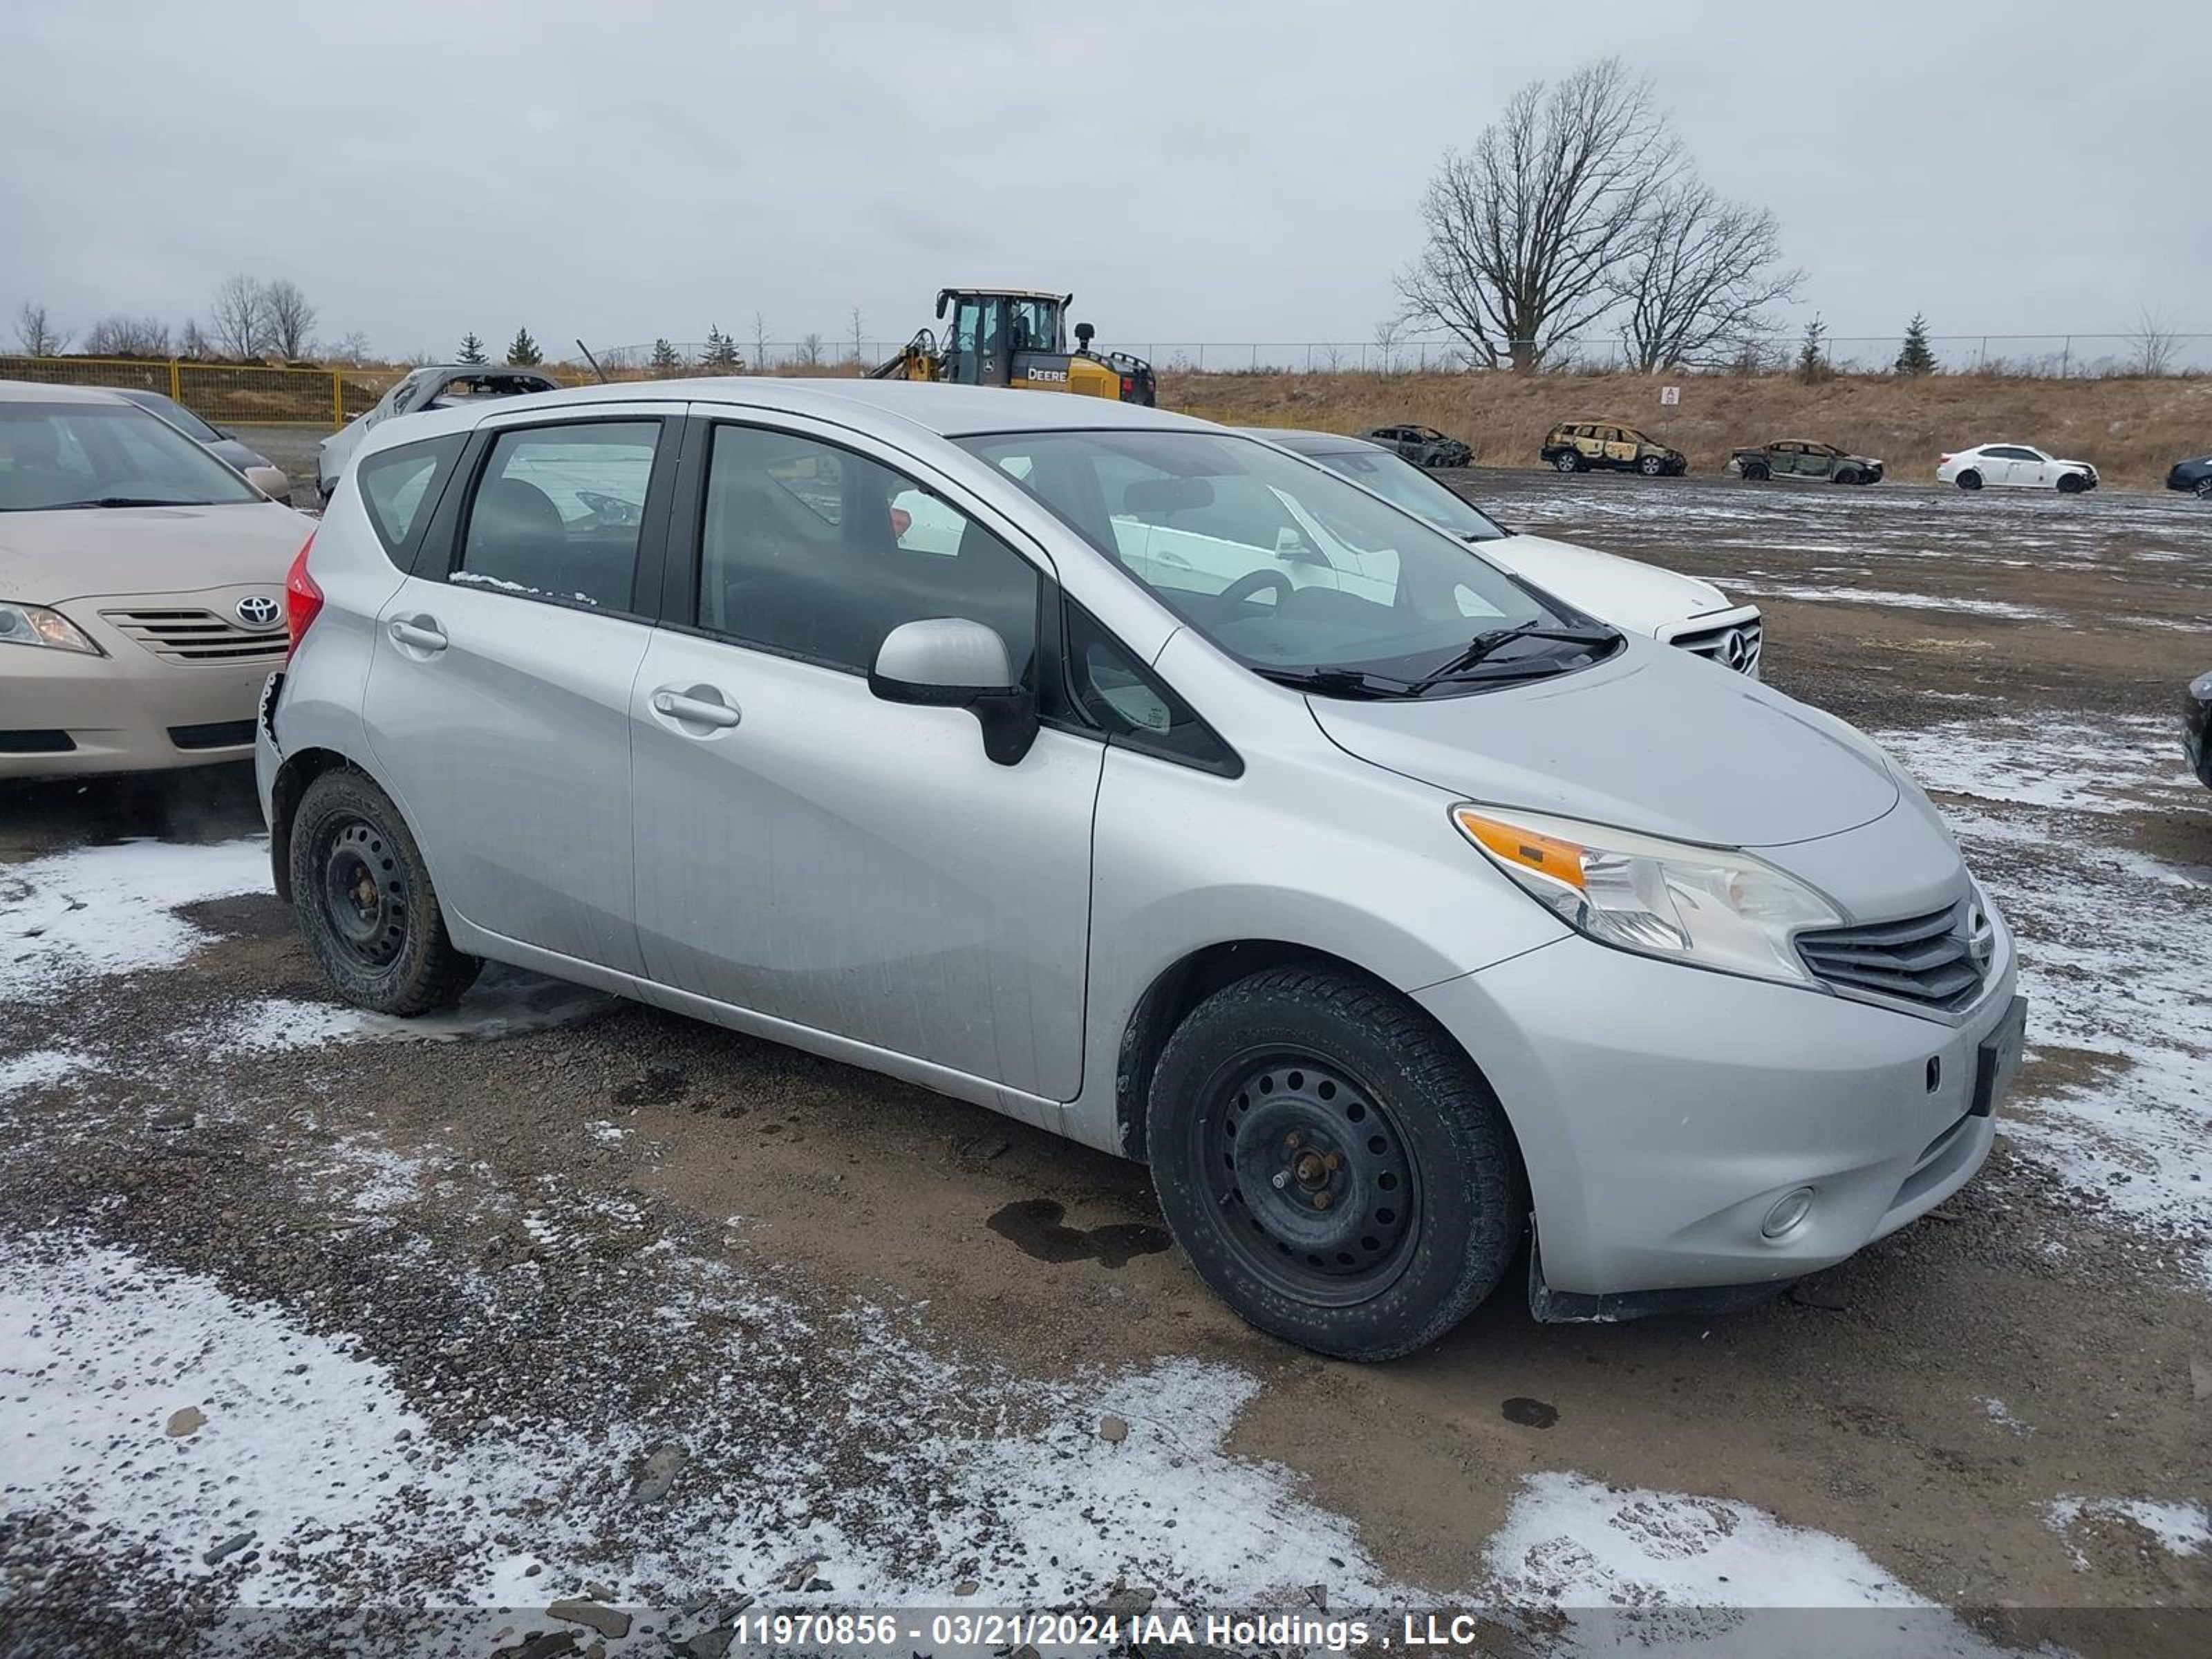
(1663, 1111)
(64, 713)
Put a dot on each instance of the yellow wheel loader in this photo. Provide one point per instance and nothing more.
(1019, 337)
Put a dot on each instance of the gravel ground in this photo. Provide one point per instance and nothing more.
(564, 1298)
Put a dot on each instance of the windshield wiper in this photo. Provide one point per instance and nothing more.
(135, 500)
(1340, 681)
(1483, 646)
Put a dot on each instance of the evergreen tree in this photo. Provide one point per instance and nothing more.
(665, 358)
(522, 351)
(1914, 357)
(472, 350)
(1812, 353)
(721, 354)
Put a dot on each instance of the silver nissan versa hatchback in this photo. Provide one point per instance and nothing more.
(1158, 788)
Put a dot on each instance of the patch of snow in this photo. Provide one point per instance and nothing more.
(38, 1069)
(606, 1132)
(2091, 766)
(2001, 1414)
(100, 910)
(1764, 588)
(504, 1002)
(2182, 1528)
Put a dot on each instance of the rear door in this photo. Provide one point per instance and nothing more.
(497, 704)
(810, 853)
(1817, 461)
(1619, 446)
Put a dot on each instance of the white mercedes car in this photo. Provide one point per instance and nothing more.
(1661, 605)
(2015, 464)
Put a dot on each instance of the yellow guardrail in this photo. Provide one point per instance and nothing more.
(222, 394)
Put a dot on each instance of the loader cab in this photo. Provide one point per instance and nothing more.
(991, 327)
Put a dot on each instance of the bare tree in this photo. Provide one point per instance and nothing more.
(859, 344)
(289, 318)
(760, 343)
(2157, 346)
(352, 349)
(127, 337)
(1329, 357)
(36, 334)
(1387, 334)
(192, 340)
(810, 351)
(237, 318)
(1696, 281)
(1524, 230)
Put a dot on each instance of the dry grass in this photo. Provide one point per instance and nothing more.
(2131, 430)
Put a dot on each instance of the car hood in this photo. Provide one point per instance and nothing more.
(49, 558)
(1642, 598)
(1654, 740)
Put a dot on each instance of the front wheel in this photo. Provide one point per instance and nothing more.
(1336, 1170)
(1567, 461)
(1755, 472)
(365, 902)
(2072, 483)
(1970, 479)
(1651, 466)
(2203, 490)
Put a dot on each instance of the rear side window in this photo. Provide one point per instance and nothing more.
(400, 486)
(558, 510)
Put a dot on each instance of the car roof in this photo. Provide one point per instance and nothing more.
(37, 392)
(141, 396)
(1308, 442)
(949, 411)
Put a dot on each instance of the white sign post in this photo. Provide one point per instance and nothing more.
(1669, 396)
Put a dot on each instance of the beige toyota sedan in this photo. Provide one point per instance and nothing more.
(141, 590)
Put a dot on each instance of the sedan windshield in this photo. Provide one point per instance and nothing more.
(1400, 481)
(1292, 570)
(176, 414)
(94, 455)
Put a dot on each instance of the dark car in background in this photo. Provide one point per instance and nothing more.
(2197, 726)
(1802, 458)
(1579, 446)
(2195, 477)
(264, 474)
(1424, 446)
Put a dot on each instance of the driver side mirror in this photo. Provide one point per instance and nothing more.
(953, 662)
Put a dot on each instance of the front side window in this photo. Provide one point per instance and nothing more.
(558, 510)
(94, 455)
(1417, 491)
(1286, 566)
(817, 552)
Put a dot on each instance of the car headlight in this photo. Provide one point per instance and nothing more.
(33, 624)
(1711, 907)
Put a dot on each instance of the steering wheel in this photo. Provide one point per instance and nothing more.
(1249, 585)
(611, 509)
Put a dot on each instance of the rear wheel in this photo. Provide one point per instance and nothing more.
(1970, 479)
(365, 902)
(1335, 1169)
(2072, 483)
(1651, 465)
(1567, 460)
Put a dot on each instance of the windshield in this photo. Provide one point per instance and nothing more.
(1290, 569)
(86, 455)
(1400, 481)
(176, 414)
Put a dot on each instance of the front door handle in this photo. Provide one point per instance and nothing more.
(695, 705)
(418, 633)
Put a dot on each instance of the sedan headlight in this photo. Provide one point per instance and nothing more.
(1707, 906)
(33, 624)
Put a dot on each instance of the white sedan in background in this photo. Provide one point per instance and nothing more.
(1642, 598)
(2015, 464)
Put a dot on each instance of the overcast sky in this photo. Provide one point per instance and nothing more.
(1200, 170)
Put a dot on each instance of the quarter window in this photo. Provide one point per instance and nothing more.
(1122, 698)
(818, 552)
(396, 486)
(558, 510)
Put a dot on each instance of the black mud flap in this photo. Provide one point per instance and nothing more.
(1552, 1307)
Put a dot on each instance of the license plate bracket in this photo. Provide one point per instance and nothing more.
(1997, 1062)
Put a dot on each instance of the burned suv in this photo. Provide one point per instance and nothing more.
(1579, 446)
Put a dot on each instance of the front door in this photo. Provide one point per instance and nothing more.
(497, 703)
(808, 852)
(1619, 446)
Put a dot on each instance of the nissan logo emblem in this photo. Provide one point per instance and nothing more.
(259, 610)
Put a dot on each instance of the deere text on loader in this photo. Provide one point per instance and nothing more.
(1017, 338)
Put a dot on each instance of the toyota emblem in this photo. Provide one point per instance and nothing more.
(259, 610)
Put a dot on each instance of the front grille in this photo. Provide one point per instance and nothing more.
(36, 743)
(216, 734)
(198, 636)
(1733, 645)
(1927, 960)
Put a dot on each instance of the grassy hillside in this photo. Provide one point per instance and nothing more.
(2132, 430)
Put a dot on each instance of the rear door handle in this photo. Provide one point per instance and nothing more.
(695, 705)
(418, 633)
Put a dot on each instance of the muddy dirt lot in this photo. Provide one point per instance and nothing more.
(557, 1297)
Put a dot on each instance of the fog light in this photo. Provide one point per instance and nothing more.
(1788, 1213)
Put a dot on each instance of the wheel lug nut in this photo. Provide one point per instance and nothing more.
(1321, 1201)
(1294, 1140)
(1334, 1160)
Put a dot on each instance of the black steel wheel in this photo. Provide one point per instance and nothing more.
(365, 903)
(2072, 483)
(1970, 479)
(1333, 1164)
